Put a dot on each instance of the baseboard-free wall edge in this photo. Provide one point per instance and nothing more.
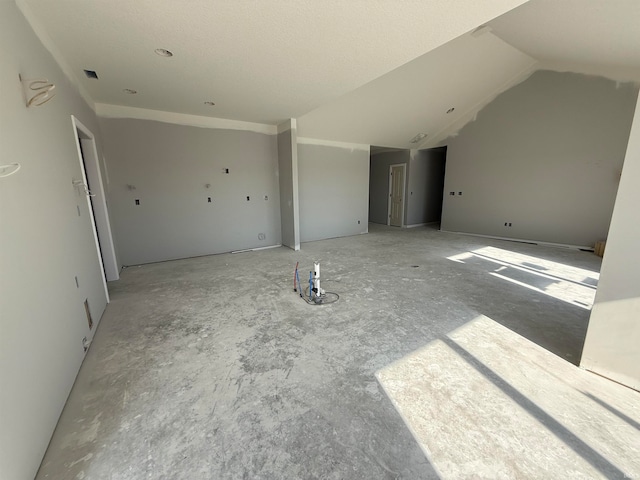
(415, 225)
(523, 240)
(174, 259)
(256, 249)
(364, 232)
(623, 380)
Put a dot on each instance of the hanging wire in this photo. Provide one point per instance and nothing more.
(11, 167)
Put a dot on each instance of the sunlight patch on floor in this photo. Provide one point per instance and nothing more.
(485, 402)
(573, 285)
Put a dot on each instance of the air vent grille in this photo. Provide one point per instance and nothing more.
(418, 137)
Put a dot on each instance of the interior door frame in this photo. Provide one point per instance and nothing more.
(404, 181)
(100, 223)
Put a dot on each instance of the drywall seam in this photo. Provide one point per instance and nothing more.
(120, 111)
(379, 150)
(46, 40)
(470, 114)
(331, 143)
(523, 240)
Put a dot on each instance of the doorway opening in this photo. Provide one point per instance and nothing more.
(380, 163)
(414, 202)
(96, 200)
(436, 169)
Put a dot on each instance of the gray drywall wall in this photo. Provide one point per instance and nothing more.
(44, 244)
(288, 181)
(379, 183)
(333, 190)
(173, 170)
(546, 156)
(612, 345)
(425, 185)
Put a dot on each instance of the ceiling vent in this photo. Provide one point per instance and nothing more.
(418, 137)
(91, 74)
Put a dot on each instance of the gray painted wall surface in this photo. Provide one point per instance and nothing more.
(333, 189)
(286, 182)
(546, 155)
(169, 166)
(44, 244)
(425, 186)
(379, 184)
(612, 346)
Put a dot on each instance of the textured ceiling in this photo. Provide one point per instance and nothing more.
(358, 71)
(600, 37)
(259, 61)
(465, 74)
(596, 36)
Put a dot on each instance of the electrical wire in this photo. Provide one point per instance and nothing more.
(11, 167)
(325, 299)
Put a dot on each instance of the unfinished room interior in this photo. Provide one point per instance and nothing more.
(319, 239)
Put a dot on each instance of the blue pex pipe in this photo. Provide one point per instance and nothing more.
(299, 284)
(310, 284)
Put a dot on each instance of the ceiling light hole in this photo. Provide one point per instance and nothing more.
(210, 104)
(91, 74)
(451, 110)
(129, 91)
(163, 52)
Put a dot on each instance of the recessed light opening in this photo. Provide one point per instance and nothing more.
(211, 104)
(130, 91)
(451, 110)
(163, 52)
(91, 74)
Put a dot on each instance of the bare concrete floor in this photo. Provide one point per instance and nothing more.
(212, 368)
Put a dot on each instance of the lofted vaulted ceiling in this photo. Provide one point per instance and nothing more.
(598, 37)
(359, 71)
